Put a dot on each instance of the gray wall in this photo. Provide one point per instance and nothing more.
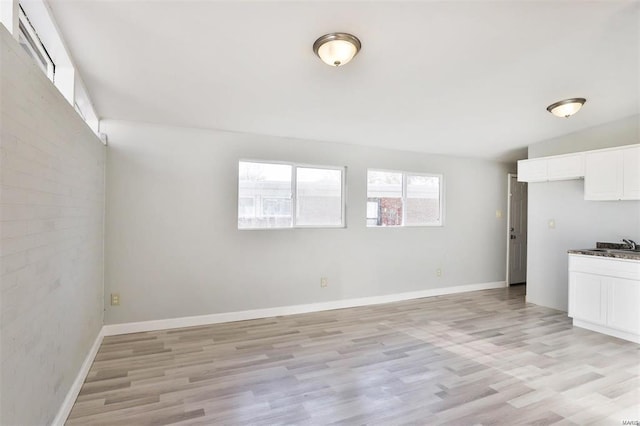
(625, 131)
(173, 248)
(579, 223)
(51, 230)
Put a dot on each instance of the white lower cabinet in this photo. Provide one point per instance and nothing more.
(623, 307)
(586, 296)
(604, 295)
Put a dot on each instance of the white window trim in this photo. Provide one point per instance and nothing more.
(404, 198)
(41, 18)
(35, 44)
(293, 195)
(67, 80)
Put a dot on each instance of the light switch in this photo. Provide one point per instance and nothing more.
(552, 224)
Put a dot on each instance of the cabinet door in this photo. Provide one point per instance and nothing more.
(623, 304)
(566, 167)
(603, 175)
(586, 297)
(631, 174)
(534, 170)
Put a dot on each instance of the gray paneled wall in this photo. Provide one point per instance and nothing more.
(51, 230)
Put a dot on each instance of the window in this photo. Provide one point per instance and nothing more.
(276, 207)
(38, 35)
(280, 195)
(318, 197)
(246, 207)
(403, 199)
(31, 43)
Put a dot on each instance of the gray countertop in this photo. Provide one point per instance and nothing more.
(613, 253)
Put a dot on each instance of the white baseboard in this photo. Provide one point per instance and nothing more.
(70, 399)
(606, 330)
(137, 327)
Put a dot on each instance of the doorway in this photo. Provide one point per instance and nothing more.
(516, 231)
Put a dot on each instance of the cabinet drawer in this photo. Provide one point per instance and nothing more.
(608, 266)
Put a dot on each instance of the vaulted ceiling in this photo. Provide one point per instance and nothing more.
(469, 78)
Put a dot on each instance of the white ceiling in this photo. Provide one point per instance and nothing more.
(469, 78)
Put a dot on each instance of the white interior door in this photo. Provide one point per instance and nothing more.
(517, 231)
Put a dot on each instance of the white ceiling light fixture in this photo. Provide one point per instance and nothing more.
(337, 49)
(566, 107)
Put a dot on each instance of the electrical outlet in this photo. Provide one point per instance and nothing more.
(324, 281)
(498, 214)
(439, 272)
(115, 299)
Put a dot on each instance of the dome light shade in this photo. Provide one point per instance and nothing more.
(566, 107)
(337, 49)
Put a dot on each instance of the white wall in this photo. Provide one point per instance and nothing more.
(579, 223)
(51, 241)
(173, 248)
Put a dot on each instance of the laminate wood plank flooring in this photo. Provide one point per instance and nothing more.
(479, 358)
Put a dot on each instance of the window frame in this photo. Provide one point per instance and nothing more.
(35, 44)
(404, 173)
(253, 204)
(294, 196)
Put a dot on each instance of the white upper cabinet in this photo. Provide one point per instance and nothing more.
(631, 174)
(559, 167)
(532, 170)
(612, 174)
(609, 174)
(566, 167)
(603, 175)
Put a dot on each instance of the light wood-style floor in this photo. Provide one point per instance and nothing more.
(475, 358)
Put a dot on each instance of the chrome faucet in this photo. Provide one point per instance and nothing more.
(631, 243)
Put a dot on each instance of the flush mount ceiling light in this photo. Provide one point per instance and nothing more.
(566, 107)
(337, 49)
